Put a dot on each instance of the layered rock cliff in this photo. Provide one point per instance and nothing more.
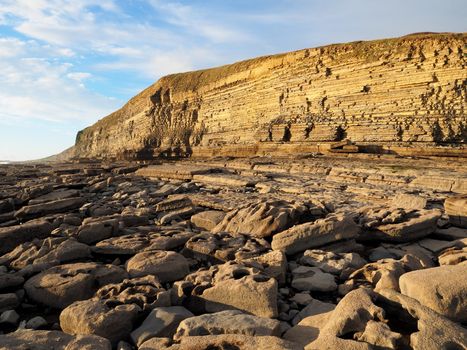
(386, 93)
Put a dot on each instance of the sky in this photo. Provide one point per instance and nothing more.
(64, 64)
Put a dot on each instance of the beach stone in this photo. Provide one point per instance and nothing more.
(10, 317)
(28, 339)
(42, 209)
(255, 294)
(161, 322)
(313, 279)
(62, 285)
(167, 266)
(409, 201)
(146, 292)
(228, 322)
(12, 236)
(208, 219)
(94, 317)
(8, 301)
(262, 219)
(299, 238)
(439, 288)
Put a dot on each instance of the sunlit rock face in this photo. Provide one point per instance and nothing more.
(384, 95)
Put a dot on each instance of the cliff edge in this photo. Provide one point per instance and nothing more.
(383, 95)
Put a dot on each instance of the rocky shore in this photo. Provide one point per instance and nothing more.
(322, 252)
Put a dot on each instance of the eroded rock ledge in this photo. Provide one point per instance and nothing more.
(404, 95)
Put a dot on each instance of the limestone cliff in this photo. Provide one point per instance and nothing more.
(401, 92)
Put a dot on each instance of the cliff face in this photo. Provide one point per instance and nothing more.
(403, 91)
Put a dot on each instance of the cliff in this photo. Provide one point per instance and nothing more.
(392, 93)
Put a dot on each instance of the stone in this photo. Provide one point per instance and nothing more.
(315, 234)
(36, 322)
(8, 280)
(229, 341)
(342, 264)
(50, 251)
(8, 301)
(228, 322)
(39, 340)
(273, 264)
(221, 247)
(313, 308)
(208, 219)
(62, 285)
(255, 294)
(9, 317)
(94, 317)
(313, 279)
(146, 292)
(429, 330)
(409, 201)
(53, 196)
(262, 219)
(440, 288)
(161, 322)
(57, 206)
(307, 330)
(167, 266)
(456, 208)
(93, 232)
(12, 236)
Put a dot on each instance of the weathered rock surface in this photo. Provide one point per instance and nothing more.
(456, 209)
(315, 234)
(394, 91)
(11, 236)
(167, 266)
(95, 317)
(443, 289)
(60, 286)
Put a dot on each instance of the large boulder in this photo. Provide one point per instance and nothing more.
(167, 266)
(58, 206)
(333, 228)
(443, 289)
(93, 316)
(24, 339)
(62, 285)
(228, 322)
(161, 322)
(262, 219)
(12, 236)
(256, 294)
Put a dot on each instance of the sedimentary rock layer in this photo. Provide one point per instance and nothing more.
(398, 92)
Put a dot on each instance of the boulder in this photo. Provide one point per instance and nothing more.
(58, 206)
(8, 301)
(93, 232)
(161, 322)
(299, 238)
(94, 317)
(340, 264)
(456, 208)
(262, 219)
(442, 289)
(313, 279)
(12, 236)
(146, 292)
(28, 339)
(50, 251)
(62, 285)
(409, 201)
(228, 322)
(208, 219)
(9, 280)
(256, 294)
(167, 266)
(307, 330)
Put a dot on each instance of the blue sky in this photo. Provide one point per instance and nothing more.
(66, 63)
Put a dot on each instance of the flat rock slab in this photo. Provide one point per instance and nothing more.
(12, 236)
(315, 234)
(170, 171)
(443, 289)
(61, 285)
(94, 317)
(228, 322)
(208, 219)
(226, 180)
(28, 339)
(58, 206)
